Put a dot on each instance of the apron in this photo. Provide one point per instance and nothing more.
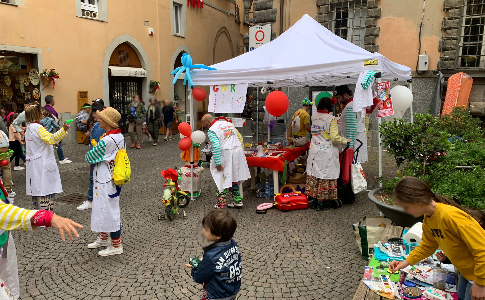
(323, 161)
(105, 216)
(9, 272)
(362, 136)
(42, 173)
(233, 158)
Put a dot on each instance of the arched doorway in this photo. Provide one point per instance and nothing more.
(223, 48)
(126, 72)
(179, 90)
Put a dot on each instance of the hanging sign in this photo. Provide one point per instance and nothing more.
(384, 105)
(258, 36)
(227, 98)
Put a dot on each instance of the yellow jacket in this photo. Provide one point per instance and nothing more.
(460, 237)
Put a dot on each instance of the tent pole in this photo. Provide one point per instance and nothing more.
(379, 140)
(257, 115)
(411, 108)
(193, 126)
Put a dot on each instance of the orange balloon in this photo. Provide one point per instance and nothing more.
(277, 103)
(185, 143)
(185, 129)
(199, 94)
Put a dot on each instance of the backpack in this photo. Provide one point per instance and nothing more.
(295, 124)
(122, 169)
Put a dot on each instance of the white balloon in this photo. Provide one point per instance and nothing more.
(197, 137)
(402, 98)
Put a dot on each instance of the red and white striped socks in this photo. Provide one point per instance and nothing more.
(116, 242)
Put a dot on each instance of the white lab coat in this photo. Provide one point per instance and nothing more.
(105, 216)
(42, 173)
(233, 158)
(323, 157)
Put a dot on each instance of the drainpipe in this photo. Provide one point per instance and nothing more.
(282, 9)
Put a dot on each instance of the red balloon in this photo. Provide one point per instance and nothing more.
(4, 162)
(185, 129)
(277, 103)
(199, 94)
(185, 143)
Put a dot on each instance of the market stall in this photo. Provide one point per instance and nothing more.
(274, 160)
(305, 55)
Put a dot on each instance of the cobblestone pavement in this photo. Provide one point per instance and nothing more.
(294, 255)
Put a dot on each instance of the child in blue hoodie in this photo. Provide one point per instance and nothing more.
(220, 268)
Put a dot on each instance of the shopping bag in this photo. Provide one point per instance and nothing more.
(368, 232)
(359, 183)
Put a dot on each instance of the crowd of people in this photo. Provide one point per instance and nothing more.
(457, 231)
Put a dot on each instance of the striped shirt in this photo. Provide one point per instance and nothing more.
(350, 124)
(13, 217)
(51, 139)
(96, 154)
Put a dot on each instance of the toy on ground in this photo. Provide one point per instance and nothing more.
(173, 197)
(291, 201)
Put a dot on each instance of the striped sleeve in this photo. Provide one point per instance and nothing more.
(96, 154)
(334, 137)
(13, 217)
(351, 125)
(216, 148)
(50, 138)
(239, 136)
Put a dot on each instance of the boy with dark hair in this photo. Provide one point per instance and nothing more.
(220, 268)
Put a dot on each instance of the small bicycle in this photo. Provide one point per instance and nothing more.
(173, 197)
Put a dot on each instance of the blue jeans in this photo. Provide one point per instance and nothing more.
(463, 288)
(90, 190)
(60, 153)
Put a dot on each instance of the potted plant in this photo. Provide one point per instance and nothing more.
(447, 153)
(154, 86)
(48, 76)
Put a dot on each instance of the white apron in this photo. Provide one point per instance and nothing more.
(233, 158)
(9, 272)
(42, 173)
(362, 136)
(105, 216)
(323, 161)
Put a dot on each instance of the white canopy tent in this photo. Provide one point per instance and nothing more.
(307, 54)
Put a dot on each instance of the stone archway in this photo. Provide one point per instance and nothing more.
(222, 33)
(142, 55)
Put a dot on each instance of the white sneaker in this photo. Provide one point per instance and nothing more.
(111, 251)
(99, 243)
(19, 168)
(11, 194)
(65, 161)
(85, 205)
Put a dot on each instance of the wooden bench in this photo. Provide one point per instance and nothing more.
(363, 292)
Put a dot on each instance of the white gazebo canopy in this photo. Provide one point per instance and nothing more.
(307, 54)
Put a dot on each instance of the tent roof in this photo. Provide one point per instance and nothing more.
(307, 54)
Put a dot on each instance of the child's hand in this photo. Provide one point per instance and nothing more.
(66, 126)
(441, 256)
(188, 266)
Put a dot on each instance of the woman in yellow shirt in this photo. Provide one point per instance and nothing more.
(450, 227)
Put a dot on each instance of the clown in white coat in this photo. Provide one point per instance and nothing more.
(228, 164)
(105, 217)
(43, 180)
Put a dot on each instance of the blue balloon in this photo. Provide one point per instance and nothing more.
(186, 66)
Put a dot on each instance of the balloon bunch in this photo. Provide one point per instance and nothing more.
(190, 138)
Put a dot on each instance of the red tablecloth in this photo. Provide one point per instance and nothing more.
(277, 163)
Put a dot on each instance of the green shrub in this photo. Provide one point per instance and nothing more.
(432, 148)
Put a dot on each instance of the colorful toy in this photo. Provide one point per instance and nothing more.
(173, 197)
(194, 262)
(186, 66)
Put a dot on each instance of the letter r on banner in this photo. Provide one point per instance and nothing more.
(233, 88)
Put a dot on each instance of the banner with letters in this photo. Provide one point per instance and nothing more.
(227, 98)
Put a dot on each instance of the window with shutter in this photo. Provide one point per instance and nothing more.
(472, 50)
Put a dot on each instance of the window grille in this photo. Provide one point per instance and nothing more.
(472, 50)
(348, 21)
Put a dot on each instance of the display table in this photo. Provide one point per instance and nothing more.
(275, 163)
